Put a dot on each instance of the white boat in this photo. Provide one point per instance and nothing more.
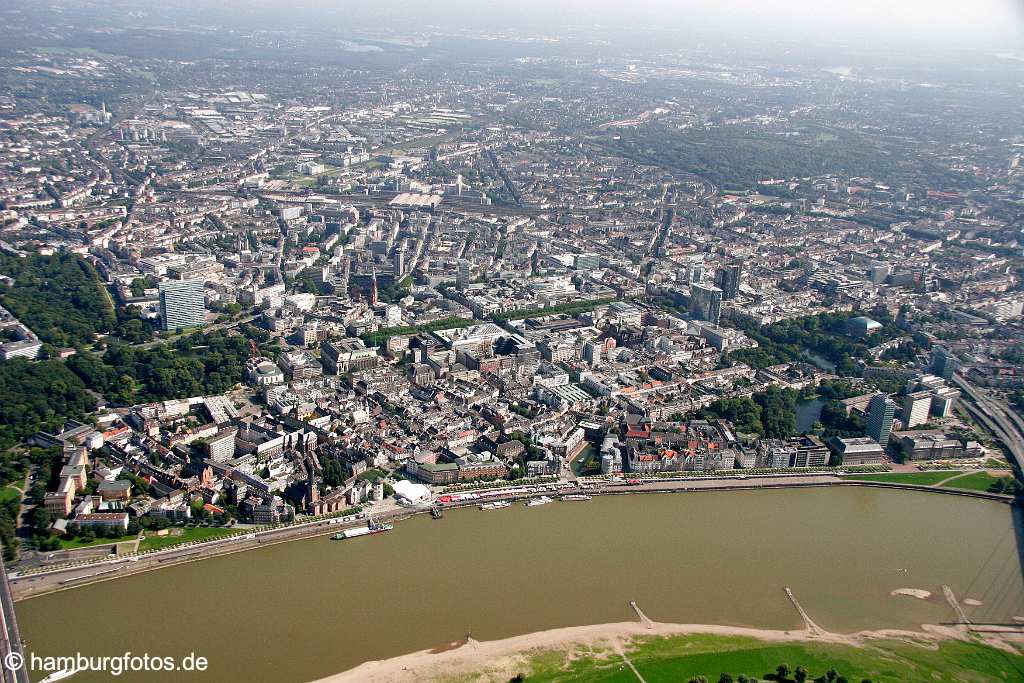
(543, 500)
(372, 528)
(496, 505)
(576, 496)
(59, 675)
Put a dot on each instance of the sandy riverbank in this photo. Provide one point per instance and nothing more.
(499, 660)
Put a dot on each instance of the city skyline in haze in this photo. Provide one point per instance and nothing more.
(995, 24)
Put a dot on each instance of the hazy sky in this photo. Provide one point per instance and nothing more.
(997, 24)
(978, 22)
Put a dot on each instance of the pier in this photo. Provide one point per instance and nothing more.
(644, 619)
(812, 628)
(961, 616)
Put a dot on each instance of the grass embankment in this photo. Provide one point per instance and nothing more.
(680, 658)
(77, 543)
(186, 536)
(979, 481)
(153, 542)
(919, 478)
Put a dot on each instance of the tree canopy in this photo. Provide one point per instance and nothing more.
(59, 297)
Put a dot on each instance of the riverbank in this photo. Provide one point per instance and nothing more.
(63, 578)
(584, 651)
(710, 559)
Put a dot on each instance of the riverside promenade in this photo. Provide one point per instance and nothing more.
(70, 576)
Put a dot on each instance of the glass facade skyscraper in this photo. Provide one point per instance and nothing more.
(182, 304)
(706, 303)
(881, 411)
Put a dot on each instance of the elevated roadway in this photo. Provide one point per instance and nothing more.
(11, 650)
(1001, 420)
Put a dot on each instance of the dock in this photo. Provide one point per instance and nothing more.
(812, 628)
(961, 616)
(644, 619)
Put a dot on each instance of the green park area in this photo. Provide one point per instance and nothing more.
(971, 481)
(187, 535)
(736, 659)
(918, 478)
(977, 481)
(76, 542)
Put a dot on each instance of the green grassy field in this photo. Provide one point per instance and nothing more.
(678, 659)
(919, 478)
(979, 481)
(76, 543)
(187, 535)
(9, 494)
(371, 474)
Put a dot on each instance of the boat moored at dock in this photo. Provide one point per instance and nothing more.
(373, 527)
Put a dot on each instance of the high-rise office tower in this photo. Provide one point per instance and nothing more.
(881, 411)
(464, 274)
(706, 303)
(399, 263)
(943, 401)
(728, 280)
(182, 304)
(916, 408)
(943, 363)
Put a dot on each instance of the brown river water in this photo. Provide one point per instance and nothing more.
(305, 609)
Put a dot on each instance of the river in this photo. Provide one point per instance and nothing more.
(305, 609)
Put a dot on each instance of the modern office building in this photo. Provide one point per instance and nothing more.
(696, 272)
(706, 303)
(398, 261)
(881, 411)
(347, 355)
(728, 279)
(221, 446)
(934, 445)
(587, 261)
(859, 450)
(916, 408)
(943, 401)
(464, 274)
(943, 363)
(182, 304)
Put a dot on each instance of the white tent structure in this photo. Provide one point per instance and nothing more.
(408, 492)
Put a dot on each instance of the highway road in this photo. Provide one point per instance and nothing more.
(10, 638)
(205, 330)
(1004, 423)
